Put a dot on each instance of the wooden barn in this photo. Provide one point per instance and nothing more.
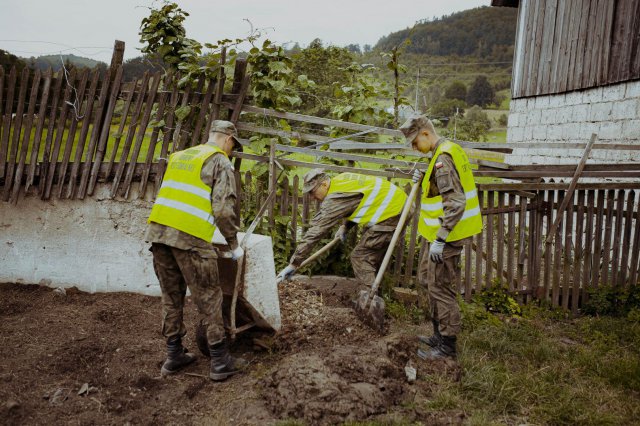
(576, 72)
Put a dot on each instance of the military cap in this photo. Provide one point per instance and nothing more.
(312, 179)
(228, 128)
(412, 127)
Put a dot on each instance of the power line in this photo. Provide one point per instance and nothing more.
(465, 63)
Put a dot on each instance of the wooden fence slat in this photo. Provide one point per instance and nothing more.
(467, 271)
(62, 124)
(198, 136)
(617, 238)
(557, 256)
(6, 126)
(215, 112)
(1, 100)
(151, 97)
(133, 126)
(596, 267)
(188, 138)
(606, 256)
(167, 136)
(522, 253)
(42, 111)
(178, 133)
(82, 140)
(479, 248)
(26, 138)
(76, 116)
(588, 246)
(568, 258)
(489, 236)
(46, 154)
(15, 140)
(294, 210)
(413, 237)
(548, 254)
(578, 253)
(87, 165)
(500, 241)
(123, 121)
(511, 242)
(626, 240)
(635, 252)
(144, 180)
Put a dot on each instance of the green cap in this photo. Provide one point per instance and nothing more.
(412, 127)
(312, 179)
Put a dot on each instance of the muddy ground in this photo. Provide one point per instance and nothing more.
(95, 359)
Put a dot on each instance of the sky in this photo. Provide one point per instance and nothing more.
(89, 27)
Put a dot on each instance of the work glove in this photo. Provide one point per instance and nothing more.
(342, 233)
(285, 274)
(237, 253)
(436, 250)
(417, 176)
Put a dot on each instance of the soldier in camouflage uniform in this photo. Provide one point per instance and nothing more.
(352, 197)
(450, 215)
(198, 195)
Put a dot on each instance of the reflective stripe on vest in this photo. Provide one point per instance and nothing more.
(381, 199)
(431, 209)
(184, 200)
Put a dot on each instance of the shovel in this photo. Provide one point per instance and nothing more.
(317, 254)
(369, 306)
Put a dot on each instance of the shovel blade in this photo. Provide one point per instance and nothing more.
(371, 310)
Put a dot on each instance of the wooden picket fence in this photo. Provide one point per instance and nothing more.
(63, 134)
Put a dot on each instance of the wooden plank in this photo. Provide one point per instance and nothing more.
(626, 241)
(82, 140)
(608, 231)
(575, 81)
(42, 111)
(35, 87)
(215, 113)
(62, 124)
(546, 50)
(537, 186)
(511, 223)
(535, 246)
(597, 243)
(635, 252)
(152, 145)
(508, 174)
(588, 245)
(578, 258)
(603, 37)
(479, 248)
(533, 8)
(634, 62)
(489, 236)
(76, 116)
(617, 238)
(105, 130)
(135, 121)
(179, 138)
(6, 126)
(93, 140)
(1, 99)
(575, 14)
(522, 254)
(557, 257)
(294, 210)
(15, 140)
(537, 37)
(548, 254)
(616, 33)
(151, 97)
(188, 138)
(558, 47)
(413, 237)
(123, 122)
(167, 136)
(204, 108)
(46, 154)
(590, 36)
(272, 181)
(317, 120)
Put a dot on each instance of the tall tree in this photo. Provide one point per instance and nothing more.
(480, 93)
(456, 90)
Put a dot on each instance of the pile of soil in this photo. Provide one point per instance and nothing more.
(95, 359)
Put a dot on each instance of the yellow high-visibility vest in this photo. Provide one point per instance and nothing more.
(184, 200)
(431, 210)
(381, 199)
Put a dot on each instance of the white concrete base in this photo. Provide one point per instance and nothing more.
(97, 245)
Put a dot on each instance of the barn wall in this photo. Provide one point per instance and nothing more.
(613, 112)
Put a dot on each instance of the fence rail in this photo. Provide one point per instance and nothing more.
(61, 135)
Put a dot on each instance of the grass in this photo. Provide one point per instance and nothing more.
(541, 370)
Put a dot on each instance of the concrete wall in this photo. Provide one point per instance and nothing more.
(613, 112)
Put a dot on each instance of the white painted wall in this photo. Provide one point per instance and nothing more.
(612, 112)
(97, 245)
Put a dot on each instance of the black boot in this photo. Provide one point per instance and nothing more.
(223, 365)
(446, 349)
(434, 340)
(177, 356)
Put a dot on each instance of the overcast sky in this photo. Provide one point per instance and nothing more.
(89, 27)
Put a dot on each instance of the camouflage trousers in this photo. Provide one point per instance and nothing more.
(367, 255)
(178, 269)
(438, 288)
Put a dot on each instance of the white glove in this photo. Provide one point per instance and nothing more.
(436, 250)
(285, 274)
(342, 233)
(237, 253)
(417, 176)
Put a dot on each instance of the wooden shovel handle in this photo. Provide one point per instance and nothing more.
(319, 253)
(394, 240)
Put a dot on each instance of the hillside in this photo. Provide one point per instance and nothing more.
(53, 61)
(485, 32)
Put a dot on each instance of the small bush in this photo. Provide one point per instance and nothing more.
(496, 299)
(613, 300)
